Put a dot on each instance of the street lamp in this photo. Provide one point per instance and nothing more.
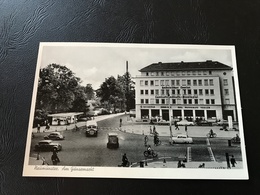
(170, 123)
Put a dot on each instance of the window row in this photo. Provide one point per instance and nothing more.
(178, 101)
(178, 73)
(178, 82)
(179, 92)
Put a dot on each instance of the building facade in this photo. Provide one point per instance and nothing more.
(185, 90)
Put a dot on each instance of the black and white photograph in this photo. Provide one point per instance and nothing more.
(115, 110)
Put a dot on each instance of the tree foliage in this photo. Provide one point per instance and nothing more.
(59, 90)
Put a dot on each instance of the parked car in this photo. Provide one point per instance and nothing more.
(222, 122)
(185, 122)
(47, 145)
(204, 123)
(113, 141)
(181, 139)
(54, 136)
(92, 128)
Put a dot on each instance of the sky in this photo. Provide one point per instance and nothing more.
(93, 62)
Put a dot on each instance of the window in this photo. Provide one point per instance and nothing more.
(152, 73)
(207, 101)
(183, 82)
(174, 101)
(173, 91)
(206, 92)
(141, 82)
(200, 82)
(211, 82)
(199, 72)
(147, 74)
(227, 101)
(167, 92)
(212, 92)
(183, 72)
(200, 92)
(204, 72)
(163, 101)
(142, 92)
(152, 92)
(184, 101)
(157, 101)
(195, 82)
(226, 91)
(157, 73)
(184, 91)
(146, 83)
(212, 101)
(147, 101)
(195, 91)
(190, 101)
(162, 82)
(189, 91)
(178, 91)
(225, 82)
(142, 101)
(146, 92)
(168, 73)
(188, 72)
(151, 83)
(162, 73)
(201, 101)
(210, 72)
(206, 82)
(177, 82)
(162, 92)
(173, 73)
(195, 101)
(156, 91)
(188, 82)
(173, 82)
(152, 101)
(167, 82)
(194, 72)
(156, 82)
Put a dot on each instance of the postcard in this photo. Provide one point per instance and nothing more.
(150, 111)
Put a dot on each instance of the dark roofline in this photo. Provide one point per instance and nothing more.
(178, 66)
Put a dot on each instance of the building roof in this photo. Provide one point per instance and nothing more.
(206, 65)
(67, 114)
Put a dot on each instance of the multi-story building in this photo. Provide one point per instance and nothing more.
(186, 90)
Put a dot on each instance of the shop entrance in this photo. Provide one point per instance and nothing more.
(155, 113)
(144, 113)
(176, 114)
(188, 115)
(165, 115)
(199, 115)
(227, 113)
(211, 114)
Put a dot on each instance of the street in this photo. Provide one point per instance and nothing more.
(79, 150)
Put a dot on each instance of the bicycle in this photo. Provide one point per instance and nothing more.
(211, 135)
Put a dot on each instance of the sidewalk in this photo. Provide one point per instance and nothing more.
(164, 130)
(192, 165)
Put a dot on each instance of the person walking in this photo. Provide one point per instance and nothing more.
(233, 161)
(186, 129)
(38, 128)
(176, 125)
(145, 140)
(120, 122)
(55, 159)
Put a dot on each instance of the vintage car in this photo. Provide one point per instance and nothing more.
(92, 128)
(54, 136)
(204, 123)
(185, 122)
(47, 145)
(181, 139)
(113, 141)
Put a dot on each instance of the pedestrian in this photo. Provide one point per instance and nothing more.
(44, 161)
(154, 129)
(233, 161)
(38, 128)
(145, 140)
(124, 160)
(176, 125)
(120, 122)
(151, 131)
(186, 129)
(179, 164)
(55, 159)
(202, 165)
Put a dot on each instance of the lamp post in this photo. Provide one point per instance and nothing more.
(170, 123)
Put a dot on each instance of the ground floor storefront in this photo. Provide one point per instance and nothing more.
(190, 113)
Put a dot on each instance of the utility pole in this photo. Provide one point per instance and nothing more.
(170, 123)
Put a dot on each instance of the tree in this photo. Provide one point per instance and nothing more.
(89, 91)
(110, 91)
(58, 88)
